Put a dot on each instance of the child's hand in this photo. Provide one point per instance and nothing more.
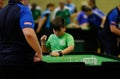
(54, 54)
(43, 38)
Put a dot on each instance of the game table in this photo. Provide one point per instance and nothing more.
(88, 58)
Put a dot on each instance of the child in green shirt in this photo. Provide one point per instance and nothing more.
(60, 42)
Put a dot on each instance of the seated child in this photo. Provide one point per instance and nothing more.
(60, 42)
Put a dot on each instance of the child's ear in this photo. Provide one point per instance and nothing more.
(65, 28)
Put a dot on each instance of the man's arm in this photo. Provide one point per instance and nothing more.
(33, 42)
(103, 21)
(114, 30)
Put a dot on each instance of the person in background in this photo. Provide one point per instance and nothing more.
(36, 13)
(71, 6)
(111, 32)
(95, 24)
(59, 43)
(82, 18)
(73, 10)
(62, 11)
(45, 22)
(97, 11)
(1, 4)
(18, 42)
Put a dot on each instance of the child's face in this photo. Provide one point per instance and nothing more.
(59, 33)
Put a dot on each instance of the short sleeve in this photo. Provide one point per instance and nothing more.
(26, 19)
(113, 18)
(70, 40)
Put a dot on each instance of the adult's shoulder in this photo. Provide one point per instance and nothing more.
(23, 8)
(114, 12)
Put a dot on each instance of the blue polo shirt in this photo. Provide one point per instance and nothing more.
(13, 46)
(95, 20)
(109, 38)
(82, 18)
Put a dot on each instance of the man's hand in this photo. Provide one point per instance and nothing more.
(37, 57)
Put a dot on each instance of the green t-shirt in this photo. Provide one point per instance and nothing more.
(64, 14)
(36, 13)
(55, 43)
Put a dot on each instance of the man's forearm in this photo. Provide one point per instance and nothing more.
(115, 30)
(32, 39)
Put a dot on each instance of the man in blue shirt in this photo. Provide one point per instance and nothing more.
(98, 12)
(95, 24)
(111, 32)
(18, 41)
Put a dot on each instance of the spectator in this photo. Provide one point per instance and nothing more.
(82, 18)
(71, 6)
(36, 13)
(60, 42)
(62, 11)
(45, 22)
(92, 4)
(95, 24)
(73, 10)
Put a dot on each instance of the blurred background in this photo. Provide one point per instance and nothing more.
(104, 5)
(85, 38)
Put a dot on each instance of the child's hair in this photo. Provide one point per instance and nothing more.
(58, 23)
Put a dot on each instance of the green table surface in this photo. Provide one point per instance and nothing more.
(88, 59)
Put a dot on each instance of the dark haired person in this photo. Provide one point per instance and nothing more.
(94, 22)
(45, 22)
(82, 18)
(111, 32)
(60, 42)
(18, 41)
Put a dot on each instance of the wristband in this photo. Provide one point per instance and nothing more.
(60, 53)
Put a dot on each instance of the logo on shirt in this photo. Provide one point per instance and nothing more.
(62, 42)
(27, 23)
(114, 23)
